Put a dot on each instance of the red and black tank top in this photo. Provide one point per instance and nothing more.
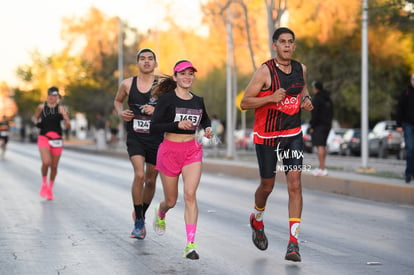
(281, 119)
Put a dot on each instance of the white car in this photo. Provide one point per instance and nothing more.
(335, 137)
(384, 139)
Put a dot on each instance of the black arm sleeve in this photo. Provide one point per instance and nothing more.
(162, 119)
(205, 120)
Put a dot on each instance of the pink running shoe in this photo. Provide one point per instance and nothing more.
(44, 190)
(49, 194)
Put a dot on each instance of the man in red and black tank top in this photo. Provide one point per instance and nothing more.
(277, 92)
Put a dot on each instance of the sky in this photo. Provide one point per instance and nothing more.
(27, 25)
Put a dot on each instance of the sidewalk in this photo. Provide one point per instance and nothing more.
(349, 183)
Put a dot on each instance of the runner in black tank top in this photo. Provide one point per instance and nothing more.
(138, 127)
(48, 117)
(4, 135)
(142, 146)
(277, 92)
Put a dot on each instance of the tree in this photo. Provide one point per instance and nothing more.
(274, 16)
(328, 38)
(94, 38)
(26, 102)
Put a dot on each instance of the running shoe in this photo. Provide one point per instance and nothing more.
(49, 194)
(44, 190)
(190, 252)
(159, 224)
(321, 173)
(258, 236)
(292, 253)
(316, 171)
(139, 231)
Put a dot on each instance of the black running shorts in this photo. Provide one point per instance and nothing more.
(144, 147)
(288, 152)
(320, 135)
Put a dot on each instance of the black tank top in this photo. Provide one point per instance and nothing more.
(139, 126)
(50, 120)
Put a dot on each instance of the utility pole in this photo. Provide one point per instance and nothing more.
(120, 53)
(229, 92)
(364, 87)
(120, 68)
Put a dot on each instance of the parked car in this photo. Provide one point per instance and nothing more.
(335, 137)
(241, 138)
(307, 138)
(250, 143)
(33, 133)
(384, 139)
(351, 143)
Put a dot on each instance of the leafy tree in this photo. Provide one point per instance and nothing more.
(328, 37)
(26, 102)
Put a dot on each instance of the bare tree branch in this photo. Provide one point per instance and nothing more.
(274, 16)
(249, 40)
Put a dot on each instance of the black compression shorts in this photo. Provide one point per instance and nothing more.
(143, 147)
(5, 138)
(288, 151)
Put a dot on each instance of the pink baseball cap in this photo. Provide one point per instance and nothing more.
(182, 65)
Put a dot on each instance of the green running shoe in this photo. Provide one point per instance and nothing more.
(159, 224)
(190, 252)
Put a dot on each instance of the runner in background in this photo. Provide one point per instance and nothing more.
(4, 135)
(114, 121)
(47, 117)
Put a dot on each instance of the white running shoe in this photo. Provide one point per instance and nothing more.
(316, 171)
(322, 173)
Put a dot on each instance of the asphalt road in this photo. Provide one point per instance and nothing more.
(85, 229)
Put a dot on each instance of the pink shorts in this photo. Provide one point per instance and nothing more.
(43, 142)
(173, 156)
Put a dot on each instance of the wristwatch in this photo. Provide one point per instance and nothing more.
(308, 96)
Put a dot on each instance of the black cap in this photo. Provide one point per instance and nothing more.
(53, 91)
(317, 85)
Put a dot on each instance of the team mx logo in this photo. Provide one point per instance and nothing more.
(287, 154)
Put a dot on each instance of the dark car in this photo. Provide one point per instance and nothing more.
(351, 143)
